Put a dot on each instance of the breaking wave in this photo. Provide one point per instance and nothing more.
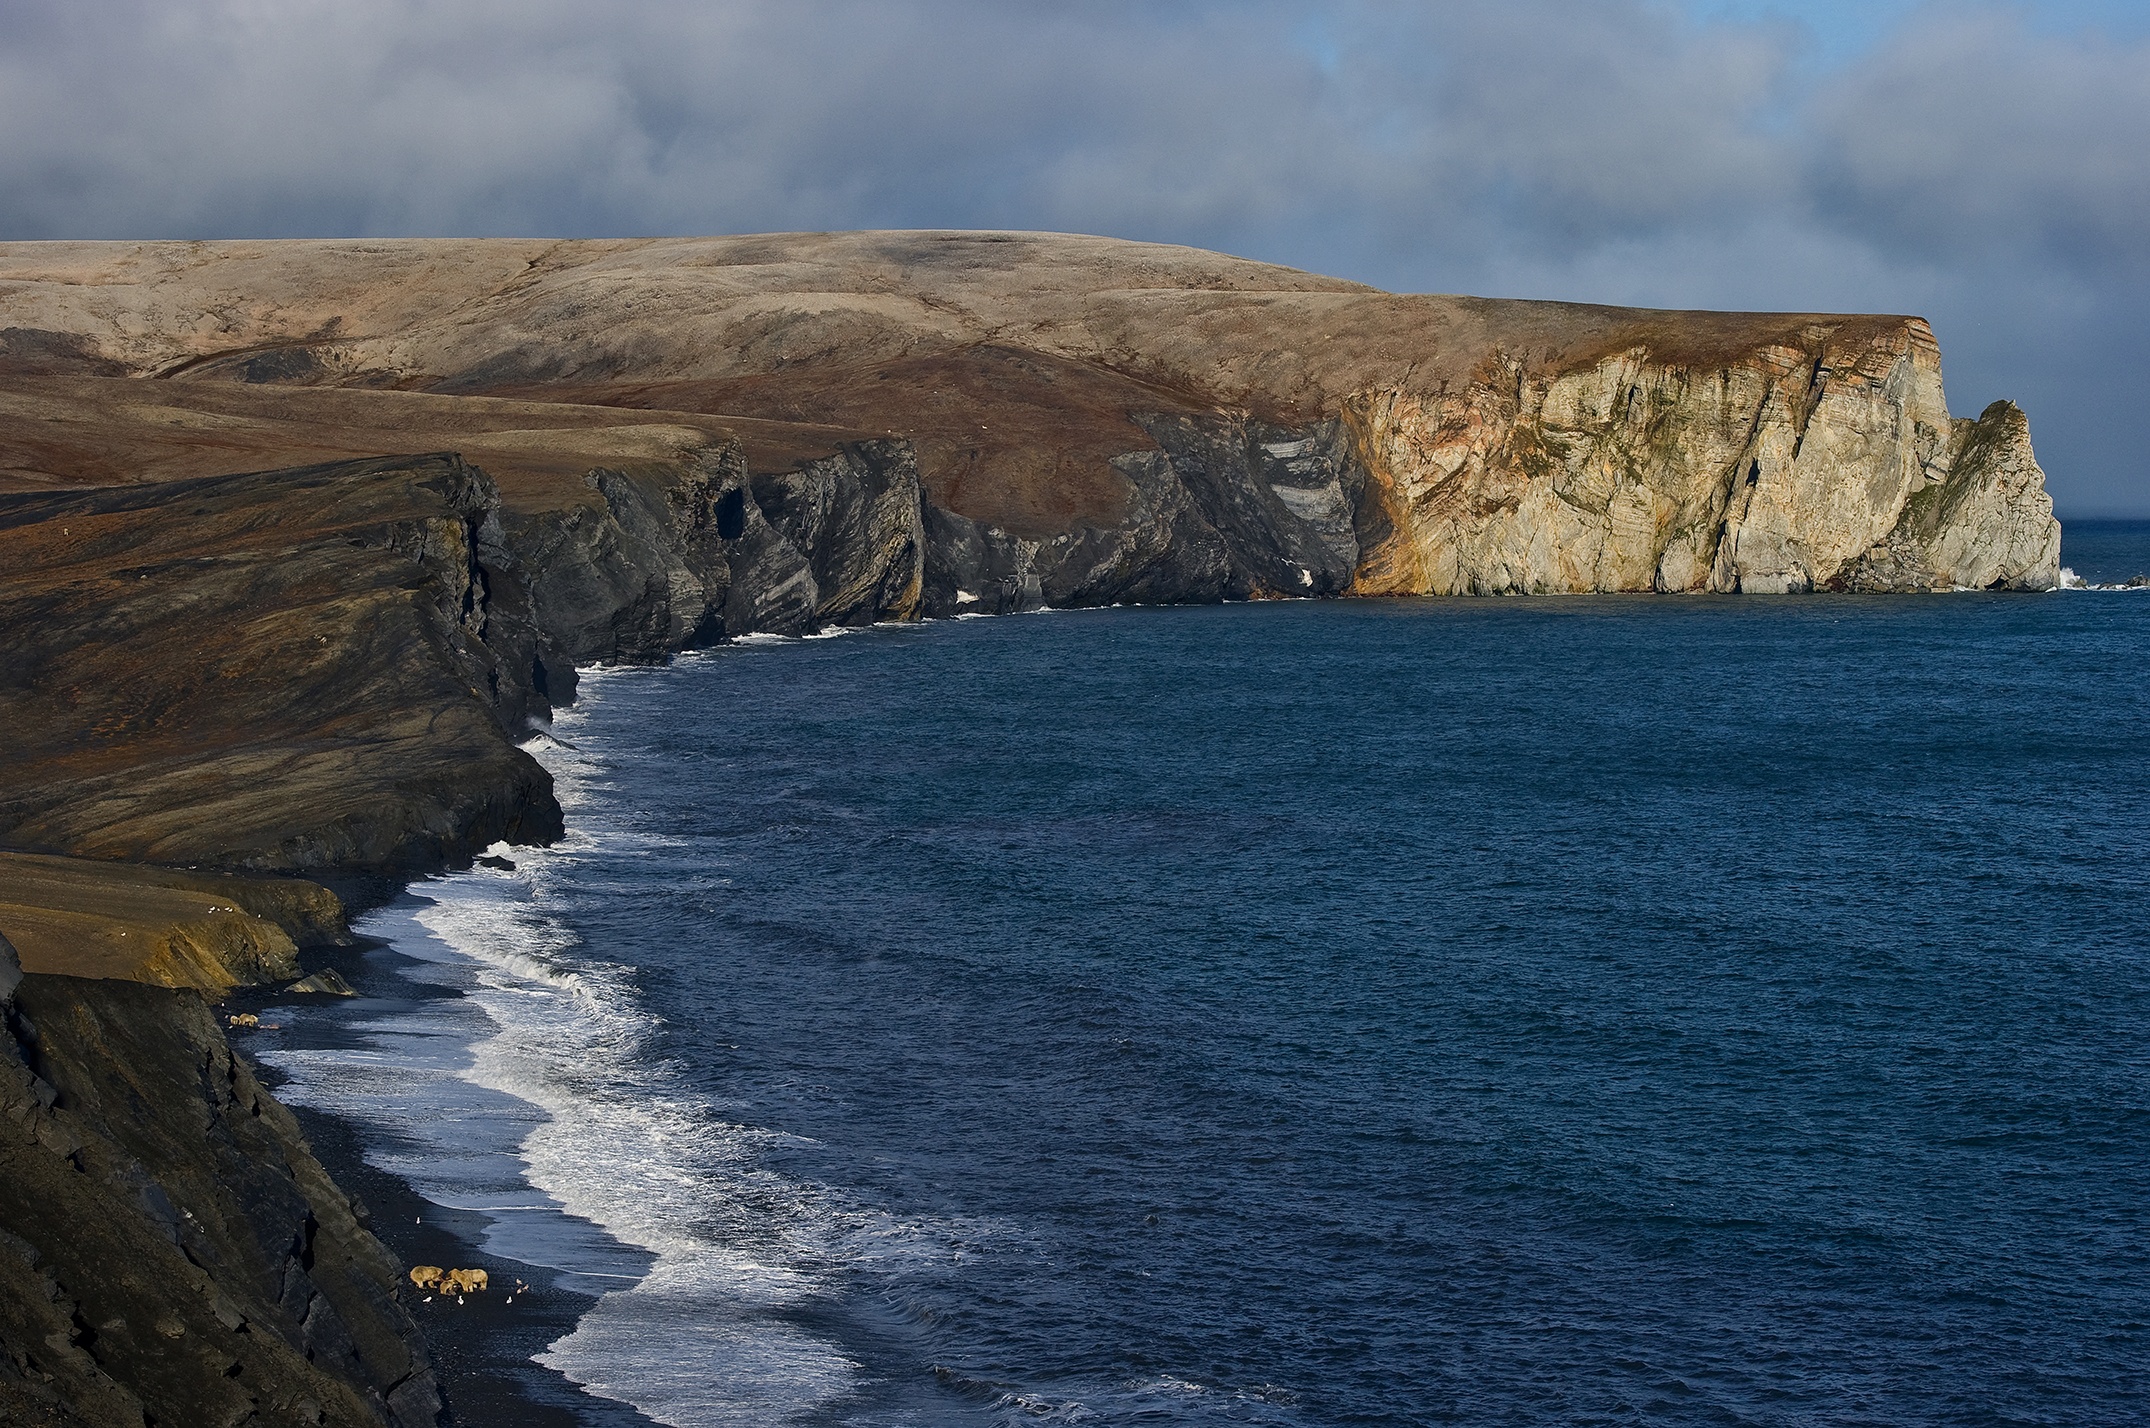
(535, 1096)
(2069, 580)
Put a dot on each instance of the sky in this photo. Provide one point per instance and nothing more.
(1985, 165)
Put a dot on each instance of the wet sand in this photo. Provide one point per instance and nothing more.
(482, 1345)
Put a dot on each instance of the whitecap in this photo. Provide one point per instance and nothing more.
(534, 1097)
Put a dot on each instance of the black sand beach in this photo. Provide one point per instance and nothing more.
(483, 1345)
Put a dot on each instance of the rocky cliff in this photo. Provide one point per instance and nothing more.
(298, 540)
(1126, 421)
(170, 1251)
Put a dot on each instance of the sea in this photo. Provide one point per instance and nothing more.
(1533, 1011)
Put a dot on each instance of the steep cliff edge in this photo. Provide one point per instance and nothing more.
(296, 671)
(327, 668)
(1980, 520)
(468, 468)
(310, 670)
(1779, 470)
(1072, 403)
(172, 1252)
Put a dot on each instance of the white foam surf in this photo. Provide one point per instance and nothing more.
(2069, 580)
(697, 1342)
(536, 1091)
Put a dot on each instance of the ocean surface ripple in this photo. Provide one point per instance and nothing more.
(1504, 1012)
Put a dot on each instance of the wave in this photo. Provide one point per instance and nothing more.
(625, 1145)
(2069, 580)
(535, 1096)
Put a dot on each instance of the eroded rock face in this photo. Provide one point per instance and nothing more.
(171, 1251)
(1776, 474)
(1979, 520)
(331, 668)
(671, 557)
(1079, 397)
(83, 917)
(308, 669)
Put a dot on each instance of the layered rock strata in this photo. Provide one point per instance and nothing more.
(83, 917)
(464, 469)
(294, 671)
(1115, 412)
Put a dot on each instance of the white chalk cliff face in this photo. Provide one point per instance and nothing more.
(1095, 421)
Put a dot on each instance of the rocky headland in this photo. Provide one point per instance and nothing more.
(297, 540)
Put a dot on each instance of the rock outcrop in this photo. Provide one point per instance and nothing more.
(303, 670)
(172, 1253)
(297, 540)
(687, 555)
(1973, 523)
(1776, 473)
(82, 917)
(1104, 416)
(170, 1250)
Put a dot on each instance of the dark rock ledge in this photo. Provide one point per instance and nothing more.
(172, 1251)
(217, 688)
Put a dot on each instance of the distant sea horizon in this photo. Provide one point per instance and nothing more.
(2106, 551)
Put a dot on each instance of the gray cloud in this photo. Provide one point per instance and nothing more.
(1986, 172)
(1966, 136)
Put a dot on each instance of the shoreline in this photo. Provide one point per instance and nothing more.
(334, 652)
(484, 1349)
(485, 1354)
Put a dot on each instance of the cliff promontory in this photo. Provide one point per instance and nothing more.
(1111, 420)
(298, 539)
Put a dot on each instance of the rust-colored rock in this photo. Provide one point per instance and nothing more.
(80, 917)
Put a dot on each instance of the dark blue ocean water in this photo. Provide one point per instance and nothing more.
(1566, 1011)
(2108, 552)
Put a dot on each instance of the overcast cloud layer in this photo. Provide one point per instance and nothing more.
(1988, 167)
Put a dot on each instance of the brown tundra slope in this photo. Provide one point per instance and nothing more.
(1124, 420)
(296, 540)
